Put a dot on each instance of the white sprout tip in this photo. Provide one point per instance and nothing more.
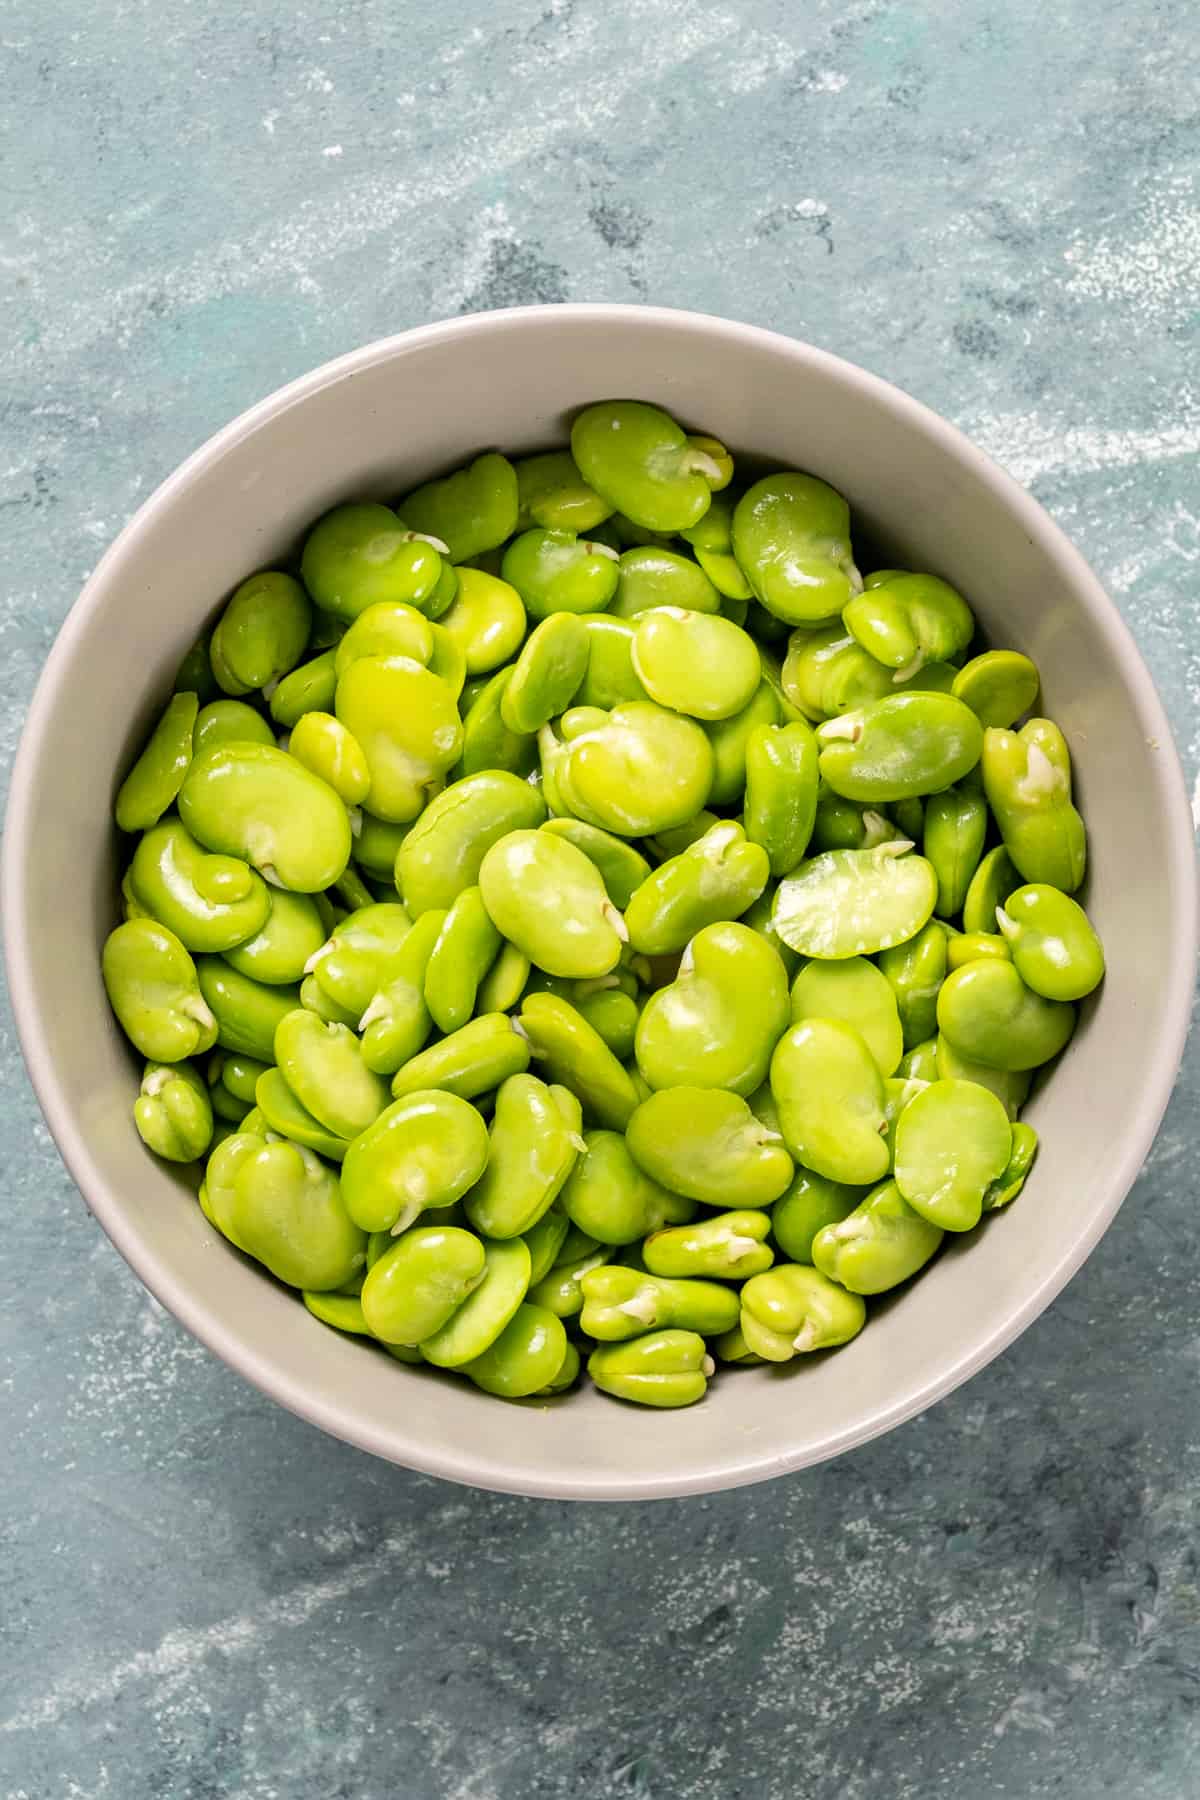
(708, 1367)
(376, 1009)
(580, 1143)
(408, 1216)
(267, 871)
(196, 1008)
(318, 956)
(854, 577)
(1008, 927)
(910, 669)
(268, 687)
(154, 1084)
(354, 814)
(806, 1338)
(597, 549)
(427, 537)
(616, 921)
(520, 1030)
(896, 847)
(741, 1246)
(699, 462)
(845, 726)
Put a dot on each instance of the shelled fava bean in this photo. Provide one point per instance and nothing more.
(582, 921)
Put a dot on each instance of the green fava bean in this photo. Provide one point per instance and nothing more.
(855, 902)
(810, 1204)
(471, 1061)
(729, 1245)
(554, 571)
(281, 1111)
(254, 801)
(992, 883)
(466, 948)
(424, 1150)
(551, 492)
(473, 510)
(999, 687)
(397, 1020)
(622, 868)
(1007, 1186)
(262, 633)
(173, 1113)
(830, 1096)
(385, 629)
(576, 1055)
(362, 555)
(709, 1146)
(758, 918)
(483, 1315)
(323, 1066)
(717, 877)
(323, 744)
(712, 541)
(609, 677)
(486, 620)
(239, 1075)
(614, 1016)
(1027, 779)
(341, 1311)
(406, 721)
(548, 898)
(533, 1148)
(916, 970)
(612, 1200)
(448, 661)
(904, 745)
(717, 1023)
(1010, 1086)
(158, 774)
(545, 1240)
(976, 946)
(414, 1288)
(956, 822)
(547, 673)
(791, 1310)
(152, 986)
(826, 672)
(848, 824)
(194, 674)
(1053, 947)
(781, 791)
(703, 666)
(209, 902)
(791, 537)
(663, 1368)
(881, 1243)
(489, 747)
(643, 464)
(920, 1063)
(731, 1347)
(504, 983)
(730, 739)
(568, 1370)
(989, 1015)
(288, 1213)
(621, 1303)
(280, 950)
(442, 854)
(559, 1291)
(351, 892)
(650, 578)
(953, 1141)
(310, 688)
(362, 956)
(247, 1012)
(642, 772)
(525, 1359)
(229, 722)
(909, 621)
(377, 845)
(858, 994)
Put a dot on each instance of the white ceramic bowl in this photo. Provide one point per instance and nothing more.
(376, 422)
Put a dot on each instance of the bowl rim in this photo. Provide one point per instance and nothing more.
(209, 1325)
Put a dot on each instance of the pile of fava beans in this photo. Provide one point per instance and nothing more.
(577, 918)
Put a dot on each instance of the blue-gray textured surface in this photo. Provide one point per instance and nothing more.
(992, 202)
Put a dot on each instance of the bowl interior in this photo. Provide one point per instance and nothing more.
(376, 423)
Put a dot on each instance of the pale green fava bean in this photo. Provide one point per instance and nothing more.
(643, 771)
(855, 902)
(406, 721)
(909, 621)
(247, 1012)
(323, 1066)
(717, 877)
(323, 744)
(504, 983)
(558, 1036)
(849, 824)
(956, 822)
(826, 672)
(1007, 1186)
(855, 992)
(916, 970)
(1010, 1086)
(663, 1368)
(552, 492)
(731, 1347)
(473, 510)
(709, 1146)
(442, 853)
(898, 1091)
(643, 464)
(730, 1245)
(483, 1315)
(730, 740)
(466, 947)
(416, 1286)
(448, 661)
(424, 1150)
(810, 1204)
(284, 1113)
(545, 1240)
(385, 629)
(830, 1096)
(314, 997)
(229, 722)
(781, 791)
(1027, 779)
(548, 898)
(612, 1200)
(256, 802)
(471, 1061)
(696, 664)
(791, 537)
(262, 632)
(921, 1064)
(341, 1311)
(675, 838)
(377, 845)
(792, 1309)
(1053, 946)
(759, 918)
(525, 1359)
(547, 674)
(609, 677)
(556, 572)
(158, 774)
(993, 881)
(904, 745)
(279, 951)
(310, 688)
(952, 1141)
(486, 619)
(650, 578)
(976, 946)
(288, 1213)
(362, 956)
(532, 1151)
(712, 541)
(621, 1303)
(559, 1291)
(362, 555)
(568, 1370)
(152, 986)
(239, 1074)
(717, 1023)
(210, 902)
(173, 1112)
(999, 686)
(990, 1015)
(881, 1243)
(352, 892)
(622, 868)
(194, 674)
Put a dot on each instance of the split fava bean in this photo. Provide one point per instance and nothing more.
(623, 1303)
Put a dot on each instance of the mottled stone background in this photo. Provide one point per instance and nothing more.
(992, 202)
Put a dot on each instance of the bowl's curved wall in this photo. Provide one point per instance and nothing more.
(376, 422)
